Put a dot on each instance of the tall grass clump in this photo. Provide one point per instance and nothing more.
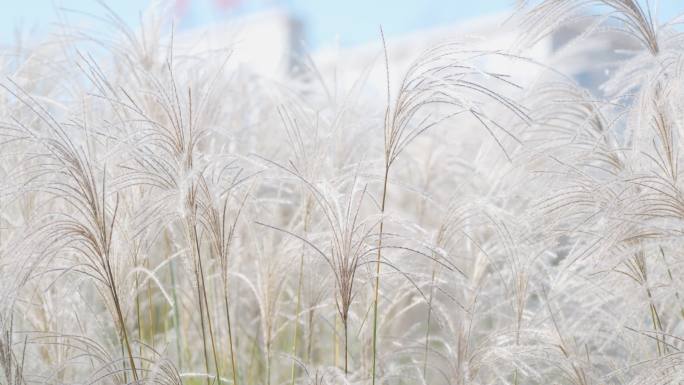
(480, 215)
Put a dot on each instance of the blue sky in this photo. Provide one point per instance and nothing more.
(347, 21)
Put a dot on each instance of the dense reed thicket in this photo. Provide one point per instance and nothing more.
(167, 218)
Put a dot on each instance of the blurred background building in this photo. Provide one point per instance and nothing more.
(278, 41)
(270, 36)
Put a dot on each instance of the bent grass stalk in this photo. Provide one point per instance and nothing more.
(221, 236)
(382, 219)
(94, 231)
(403, 124)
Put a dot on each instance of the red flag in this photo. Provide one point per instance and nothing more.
(226, 4)
(181, 6)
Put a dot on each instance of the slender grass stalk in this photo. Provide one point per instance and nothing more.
(268, 359)
(300, 284)
(637, 271)
(429, 318)
(202, 324)
(120, 317)
(221, 237)
(336, 350)
(300, 281)
(138, 315)
(377, 275)
(223, 249)
(346, 346)
(203, 297)
(176, 304)
(152, 331)
(309, 340)
(383, 201)
(233, 359)
(346, 250)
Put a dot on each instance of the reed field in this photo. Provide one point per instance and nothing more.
(170, 218)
